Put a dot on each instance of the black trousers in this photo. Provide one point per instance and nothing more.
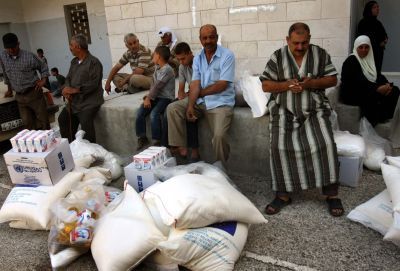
(69, 123)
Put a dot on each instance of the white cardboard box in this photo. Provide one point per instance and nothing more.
(42, 168)
(350, 170)
(141, 179)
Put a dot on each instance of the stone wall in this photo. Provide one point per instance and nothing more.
(252, 36)
(41, 24)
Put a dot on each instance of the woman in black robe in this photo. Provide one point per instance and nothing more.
(362, 85)
(373, 28)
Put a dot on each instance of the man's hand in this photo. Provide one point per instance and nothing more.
(67, 92)
(124, 81)
(40, 83)
(294, 86)
(146, 102)
(8, 94)
(107, 87)
(190, 114)
(306, 82)
(181, 95)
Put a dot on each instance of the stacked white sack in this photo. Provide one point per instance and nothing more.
(185, 208)
(125, 235)
(29, 207)
(193, 201)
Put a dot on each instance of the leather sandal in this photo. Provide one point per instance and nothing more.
(335, 206)
(276, 205)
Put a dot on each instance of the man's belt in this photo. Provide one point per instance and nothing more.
(26, 91)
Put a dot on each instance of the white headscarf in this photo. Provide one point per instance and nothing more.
(367, 63)
(166, 29)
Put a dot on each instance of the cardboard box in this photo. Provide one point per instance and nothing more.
(350, 170)
(41, 168)
(141, 179)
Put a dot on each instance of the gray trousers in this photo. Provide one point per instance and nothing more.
(33, 109)
(219, 120)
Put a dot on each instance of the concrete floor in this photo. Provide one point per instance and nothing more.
(302, 237)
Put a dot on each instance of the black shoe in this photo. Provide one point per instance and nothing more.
(142, 142)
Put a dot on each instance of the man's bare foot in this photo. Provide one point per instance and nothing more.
(8, 94)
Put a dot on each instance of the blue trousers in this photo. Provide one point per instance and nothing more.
(157, 109)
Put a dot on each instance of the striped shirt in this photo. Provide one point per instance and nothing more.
(302, 150)
(140, 59)
(20, 72)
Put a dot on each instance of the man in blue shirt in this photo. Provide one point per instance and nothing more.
(211, 95)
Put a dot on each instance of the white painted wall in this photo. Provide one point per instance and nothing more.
(41, 24)
(252, 36)
(11, 11)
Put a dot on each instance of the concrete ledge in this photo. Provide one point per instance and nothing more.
(349, 116)
(248, 137)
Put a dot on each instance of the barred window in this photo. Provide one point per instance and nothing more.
(77, 20)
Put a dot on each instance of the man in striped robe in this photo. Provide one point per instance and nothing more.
(302, 149)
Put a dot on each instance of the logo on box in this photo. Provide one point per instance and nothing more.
(20, 169)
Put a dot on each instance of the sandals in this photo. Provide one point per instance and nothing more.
(335, 206)
(276, 205)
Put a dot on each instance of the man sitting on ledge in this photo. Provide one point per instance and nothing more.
(211, 95)
(302, 149)
(139, 57)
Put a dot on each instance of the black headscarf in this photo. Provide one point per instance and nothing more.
(373, 28)
(368, 9)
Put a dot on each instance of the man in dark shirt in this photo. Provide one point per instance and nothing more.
(83, 91)
(57, 86)
(21, 70)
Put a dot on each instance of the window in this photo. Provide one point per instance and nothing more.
(77, 20)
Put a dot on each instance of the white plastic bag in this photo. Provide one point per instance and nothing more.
(348, 144)
(84, 161)
(81, 148)
(74, 221)
(376, 147)
(255, 97)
